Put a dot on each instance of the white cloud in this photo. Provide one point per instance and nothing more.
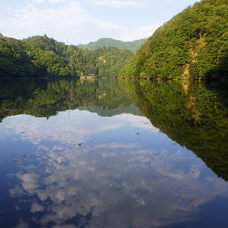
(82, 21)
(138, 33)
(117, 3)
(65, 23)
(49, 1)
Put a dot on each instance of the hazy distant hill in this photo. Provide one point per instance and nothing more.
(109, 42)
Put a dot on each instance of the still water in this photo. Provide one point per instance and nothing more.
(112, 154)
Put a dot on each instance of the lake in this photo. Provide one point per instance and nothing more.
(108, 153)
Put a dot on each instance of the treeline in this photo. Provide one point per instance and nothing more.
(109, 42)
(193, 44)
(42, 56)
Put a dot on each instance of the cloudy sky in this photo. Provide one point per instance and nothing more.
(82, 21)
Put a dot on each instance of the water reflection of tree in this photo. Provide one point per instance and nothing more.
(189, 113)
(44, 98)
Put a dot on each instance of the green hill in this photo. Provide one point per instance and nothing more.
(43, 56)
(109, 42)
(193, 44)
(13, 58)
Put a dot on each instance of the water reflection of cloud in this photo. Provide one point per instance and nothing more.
(22, 224)
(71, 126)
(128, 187)
(109, 184)
(136, 121)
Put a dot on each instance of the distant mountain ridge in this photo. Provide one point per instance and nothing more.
(109, 42)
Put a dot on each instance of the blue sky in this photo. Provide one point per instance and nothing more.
(82, 21)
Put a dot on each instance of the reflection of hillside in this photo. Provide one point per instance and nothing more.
(43, 98)
(188, 113)
(103, 111)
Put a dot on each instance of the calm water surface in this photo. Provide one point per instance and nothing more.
(112, 154)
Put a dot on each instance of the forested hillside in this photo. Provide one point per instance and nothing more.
(42, 56)
(193, 44)
(109, 42)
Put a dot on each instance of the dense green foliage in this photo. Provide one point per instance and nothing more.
(192, 44)
(109, 42)
(189, 113)
(14, 60)
(43, 56)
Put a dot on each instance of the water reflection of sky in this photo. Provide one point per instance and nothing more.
(78, 169)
